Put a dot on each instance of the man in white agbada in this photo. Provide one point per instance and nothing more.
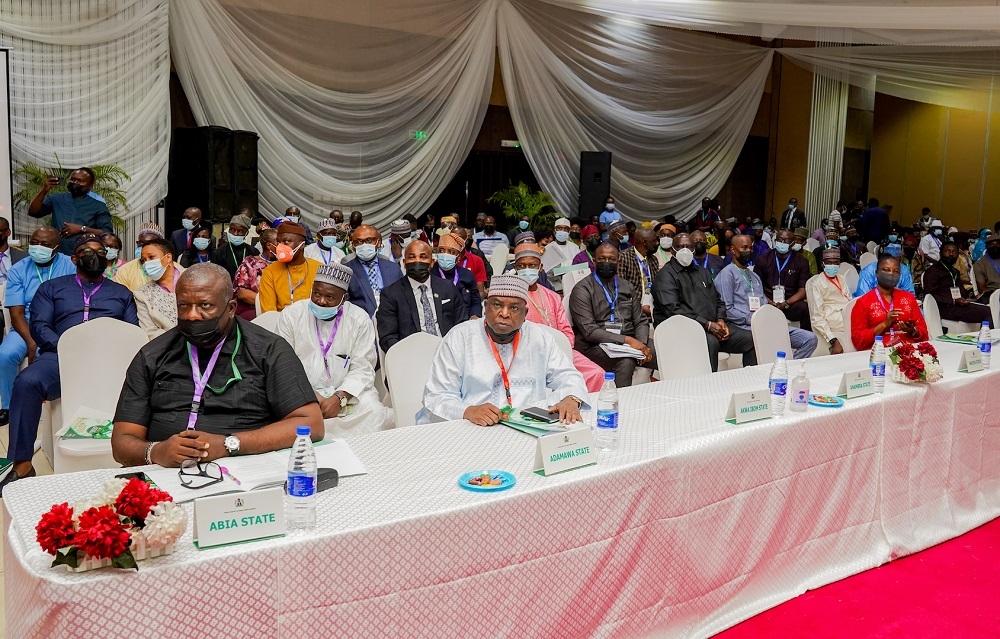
(501, 360)
(560, 252)
(336, 342)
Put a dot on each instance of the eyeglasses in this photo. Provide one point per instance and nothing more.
(194, 474)
(370, 240)
(86, 252)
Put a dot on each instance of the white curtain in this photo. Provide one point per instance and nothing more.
(957, 22)
(827, 126)
(341, 94)
(90, 82)
(673, 108)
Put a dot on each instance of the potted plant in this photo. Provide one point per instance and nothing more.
(520, 200)
(109, 182)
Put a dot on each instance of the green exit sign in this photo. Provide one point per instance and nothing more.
(419, 135)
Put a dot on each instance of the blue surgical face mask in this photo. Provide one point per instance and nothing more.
(843, 238)
(446, 261)
(112, 254)
(624, 239)
(40, 254)
(609, 207)
(138, 252)
(323, 312)
(523, 224)
(831, 270)
(782, 247)
(938, 231)
(562, 236)
(329, 241)
(529, 275)
(236, 240)
(200, 243)
(187, 224)
(154, 269)
(294, 219)
(893, 238)
(366, 252)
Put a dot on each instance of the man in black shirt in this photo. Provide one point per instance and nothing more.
(256, 393)
(234, 250)
(684, 288)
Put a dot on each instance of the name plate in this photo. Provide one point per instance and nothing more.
(972, 361)
(856, 384)
(749, 407)
(565, 450)
(236, 517)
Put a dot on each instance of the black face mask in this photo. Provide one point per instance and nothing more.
(606, 270)
(593, 244)
(745, 257)
(700, 248)
(499, 338)
(993, 252)
(74, 189)
(950, 260)
(574, 234)
(887, 280)
(909, 252)
(418, 271)
(489, 228)
(204, 333)
(93, 264)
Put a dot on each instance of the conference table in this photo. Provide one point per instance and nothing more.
(689, 527)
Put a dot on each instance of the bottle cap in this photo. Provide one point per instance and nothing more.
(302, 430)
(878, 338)
(781, 354)
(986, 323)
(608, 376)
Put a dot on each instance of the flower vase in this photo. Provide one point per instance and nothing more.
(140, 551)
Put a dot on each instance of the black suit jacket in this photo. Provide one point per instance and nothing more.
(397, 316)
(16, 255)
(792, 220)
(179, 239)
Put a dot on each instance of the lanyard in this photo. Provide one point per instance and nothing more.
(892, 303)
(995, 267)
(540, 308)
(202, 261)
(453, 281)
(87, 298)
(704, 264)
(48, 271)
(645, 271)
(176, 275)
(780, 267)
(836, 283)
(291, 289)
(326, 257)
(465, 262)
(954, 276)
(201, 380)
(503, 369)
(607, 295)
(747, 279)
(325, 347)
(233, 253)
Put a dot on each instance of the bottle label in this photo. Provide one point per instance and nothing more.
(607, 419)
(878, 370)
(802, 397)
(985, 347)
(301, 485)
(779, 387)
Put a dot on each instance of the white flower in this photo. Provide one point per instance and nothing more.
(165, 524)
(106, 496)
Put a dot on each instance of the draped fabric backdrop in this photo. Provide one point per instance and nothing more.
(90, 82)
(827, 127)
(335, 100)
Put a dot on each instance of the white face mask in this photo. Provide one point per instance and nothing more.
(666, 243)
(685, 256)
(791, 207)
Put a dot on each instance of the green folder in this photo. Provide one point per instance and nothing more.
(531, 426)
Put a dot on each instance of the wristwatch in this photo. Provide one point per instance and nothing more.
(579, 402)
(343, 397)
(832, 342)
(232, 444)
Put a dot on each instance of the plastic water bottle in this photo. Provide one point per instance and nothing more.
(607, 414)
(800, 392)
(300, 511)
(877, 362)
(985, 343)
(778, 383)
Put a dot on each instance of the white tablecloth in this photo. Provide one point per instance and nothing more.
(691, 526)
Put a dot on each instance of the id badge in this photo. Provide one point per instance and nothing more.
(956, 293)
(614, 327)
(754, 303)
(778, 294)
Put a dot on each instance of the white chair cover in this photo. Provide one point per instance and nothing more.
(995, 308)
(560, 339)
(845, 340)
(407, 365)
(498, 259)
(936, 325)
(684, 339)
(850, 276)
(866, 259)
(770, 334)
(268, 320)
(872, 246)
(570, 280)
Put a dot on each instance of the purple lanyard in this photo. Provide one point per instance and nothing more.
(200, 380)
(325, 347)
(892, 304)
(87, 298)
(454, 281)
(176, 275)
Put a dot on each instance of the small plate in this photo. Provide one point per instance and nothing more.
(825, 401)
(507, 481)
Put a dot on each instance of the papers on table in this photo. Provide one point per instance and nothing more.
(616, 351)
(966, 338)
(562, 270)
(533, 427)
(256, 472)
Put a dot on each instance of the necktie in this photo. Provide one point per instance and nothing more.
(189, 239)
(429, 326)
(372, 275)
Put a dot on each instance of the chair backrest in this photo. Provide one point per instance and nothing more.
(684, 339)
(770, 334)
(812, 244)
(561, 340)
(872, 246)
(570, 280)
(498, 258)
(995, 308)
(866, 259)
(845, 339)
(268, 320)
(407, 366)
(119, 341)
(6, 311)
(256, 302)
(850, 276)
(932, 316)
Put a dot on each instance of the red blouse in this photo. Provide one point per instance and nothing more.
(871, 309)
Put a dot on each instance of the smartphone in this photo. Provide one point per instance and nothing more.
(127, 476)
(541, 415)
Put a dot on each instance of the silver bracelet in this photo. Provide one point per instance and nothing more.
(149, 450)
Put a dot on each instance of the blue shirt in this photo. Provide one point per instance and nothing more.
(867, 280)
(607, 217)
(735, 286)
(58, 306)
(86, 210)
(486, 243)
(24, 278)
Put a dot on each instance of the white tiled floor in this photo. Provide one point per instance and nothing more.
(42, 467)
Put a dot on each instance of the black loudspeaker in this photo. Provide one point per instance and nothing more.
(595, 181)
(214, 169)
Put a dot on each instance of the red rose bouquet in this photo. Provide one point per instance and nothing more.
(910, 363)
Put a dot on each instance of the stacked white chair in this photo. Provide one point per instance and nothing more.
(83, 391)
(684, 339)
(407, 367)
(770, 334)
